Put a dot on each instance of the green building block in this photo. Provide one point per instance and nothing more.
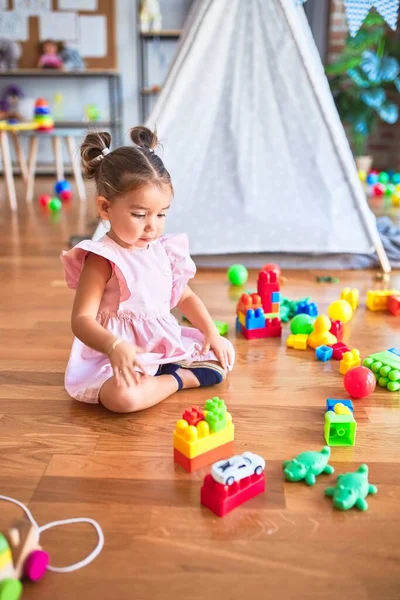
(10, 589)
(351, 490)
(340, 430)
(222, 327)
(288, 308)
(386, 367)
(215, 414)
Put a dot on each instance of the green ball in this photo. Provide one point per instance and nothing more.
(55, 204)
(383, 177)
(237, 274)
(302, 324)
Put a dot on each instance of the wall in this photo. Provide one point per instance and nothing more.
(385, 143)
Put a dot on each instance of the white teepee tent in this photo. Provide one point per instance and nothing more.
(256, 150)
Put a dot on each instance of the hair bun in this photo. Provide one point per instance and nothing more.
(144, 137)
(91, 149)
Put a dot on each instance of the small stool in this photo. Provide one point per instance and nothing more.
(7, 167)
(56, 136)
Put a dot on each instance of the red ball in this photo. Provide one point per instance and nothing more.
(66, 195)
(378, 189)
(272, 267)
(359, 382)
(44, 200)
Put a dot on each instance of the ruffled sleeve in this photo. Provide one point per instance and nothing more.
(182, 266)
(73, 261)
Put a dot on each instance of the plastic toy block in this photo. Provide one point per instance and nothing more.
(351, 490)
(339, 349)
(222, 327)
(352, 296)
(350, 359)
(308, 465)
(255, 319)
(321, 335)
(298, 341)
(307, 308)
(276, 297)
(239, 326)
(203, 460)
(267, 283)
(323, 353)
(275, 307)
(272, 315)
(386, 367)
(242, 318)
(331, 402)
(193, 440)
(221, 499)
(395, 351)
(340, 429)
(378, 299)
(248, 301)
(337, 329)
(394, 305)
(326, 279)
(273, 328)
(193, 415)
(215, 414)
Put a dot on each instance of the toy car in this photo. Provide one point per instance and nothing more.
(236, 468)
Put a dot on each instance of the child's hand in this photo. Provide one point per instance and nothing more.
(123, 359)
(214, 341)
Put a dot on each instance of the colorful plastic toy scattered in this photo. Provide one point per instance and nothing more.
(63, 189)
(350, 360)
(288, 308)
(393, 305)
(378, 299)
(303, 324)
(42, 116)
(382, 184)
(222, 498)
(340, 310)
(203, 436)
(308, 465)
(386, 367)
(340, 426)
(21, 557)
(321, 336)
(326, 279)
(359, 382)
(258, 315)
(307, 308)
(352, 296)
(331, 403)
(323, 353)
(351, 490)
(237, 275)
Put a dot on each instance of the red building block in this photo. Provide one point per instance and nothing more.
(193, 415)
(337, 329)
(203, 460)
(267, 283)
(273, 328)
(394, 305)
(221, 499)
(338, 350)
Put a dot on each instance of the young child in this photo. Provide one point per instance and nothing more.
(130, 352)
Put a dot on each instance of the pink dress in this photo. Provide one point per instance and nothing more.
(144, 286)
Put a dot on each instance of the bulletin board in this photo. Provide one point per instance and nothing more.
(105, 9)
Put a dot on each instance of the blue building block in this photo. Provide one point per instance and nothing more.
(238, 326)
(255, 319)
(276, 297)
(307, 308)
(324, 353)
(330, 403)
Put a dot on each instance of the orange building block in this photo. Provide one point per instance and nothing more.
(378, 299)
(203, 460)
(248, 301)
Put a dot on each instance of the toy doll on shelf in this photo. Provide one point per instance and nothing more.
(50, 57)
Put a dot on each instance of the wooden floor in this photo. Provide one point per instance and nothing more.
(67, 459)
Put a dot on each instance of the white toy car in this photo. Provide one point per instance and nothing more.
(236, 468)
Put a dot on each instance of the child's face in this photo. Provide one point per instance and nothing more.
(138, 217)
(49, 48)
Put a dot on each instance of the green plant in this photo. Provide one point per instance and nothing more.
(366, 71)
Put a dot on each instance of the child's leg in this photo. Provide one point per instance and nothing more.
(149, 391)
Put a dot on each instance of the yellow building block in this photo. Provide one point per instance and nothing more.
(351, 296)
(5, 558)
(298, 341)
(350, 359)
(377, 299)
(195, 440)
(242, 319)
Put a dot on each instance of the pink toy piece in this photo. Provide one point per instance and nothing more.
(36, 565)
(359, 382)
(66, 195)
